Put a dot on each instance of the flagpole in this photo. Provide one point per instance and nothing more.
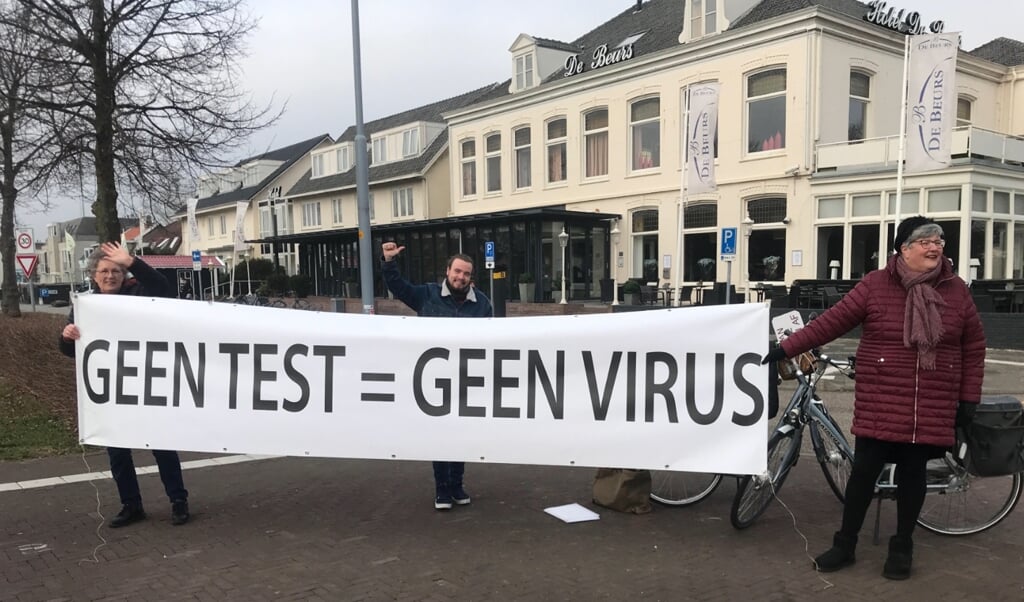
(681, 205)
(903, 136)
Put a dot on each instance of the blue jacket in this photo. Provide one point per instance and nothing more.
(433, 299)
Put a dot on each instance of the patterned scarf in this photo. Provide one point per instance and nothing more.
(922, 325)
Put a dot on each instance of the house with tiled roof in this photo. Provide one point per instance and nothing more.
(805, 153)
(68, 245)
(254, 181)
(408, 181)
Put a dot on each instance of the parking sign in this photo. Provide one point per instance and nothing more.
(489, 255)
(728, 244)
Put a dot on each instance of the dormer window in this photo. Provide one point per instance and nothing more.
(343, 156)
(380, 150)
(524, 71)
(318, 166)
(703, 18)
(411, 142)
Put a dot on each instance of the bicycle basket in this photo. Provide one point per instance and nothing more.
(786, 368)
(995, 438)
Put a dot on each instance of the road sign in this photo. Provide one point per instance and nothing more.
(489, 254)
(728, 244)
(24, 242)
(197, 261)
(27, 264)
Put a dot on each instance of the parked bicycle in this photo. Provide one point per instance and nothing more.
(297, 302)
(958, 503)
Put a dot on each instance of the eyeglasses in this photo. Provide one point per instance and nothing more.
(938, 243)
(109, 273)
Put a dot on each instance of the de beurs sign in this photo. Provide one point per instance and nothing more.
(901, 20)
(574, 65)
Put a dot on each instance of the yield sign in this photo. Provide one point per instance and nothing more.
(27, 263)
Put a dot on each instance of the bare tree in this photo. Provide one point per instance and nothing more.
(29, 153)
(151, 87)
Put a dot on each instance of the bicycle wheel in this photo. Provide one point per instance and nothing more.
(959, 503)
(302, 304)
(755, 492)
(675, 488)
(833, 453)
(278, 303)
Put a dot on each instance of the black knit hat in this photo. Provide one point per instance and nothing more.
(907, 228)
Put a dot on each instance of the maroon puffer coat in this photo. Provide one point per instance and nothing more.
(896, 399)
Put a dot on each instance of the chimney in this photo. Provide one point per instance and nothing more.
(639, 6)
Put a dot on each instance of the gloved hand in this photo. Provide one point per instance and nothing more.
(965, 413)
(773, 356)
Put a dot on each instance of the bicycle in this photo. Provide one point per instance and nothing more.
(297, 302)
(957, 502)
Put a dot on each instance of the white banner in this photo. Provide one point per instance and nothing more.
(700, 138)
(678, 389)
(931, 101)
(240, 208)
(193, 223)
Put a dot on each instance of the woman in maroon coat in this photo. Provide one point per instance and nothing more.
(920, 365)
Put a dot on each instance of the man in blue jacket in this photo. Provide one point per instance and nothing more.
(455, 297)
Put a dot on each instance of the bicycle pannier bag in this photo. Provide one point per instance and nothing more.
(623, 489)
(995, 438)
(786, 369)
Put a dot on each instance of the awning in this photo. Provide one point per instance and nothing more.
(180, 262)
(495, 217)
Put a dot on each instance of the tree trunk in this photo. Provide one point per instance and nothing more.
(108, 226)
(9, 297)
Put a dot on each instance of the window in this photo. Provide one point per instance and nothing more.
(700, 243)
(380, 150)
(223, 224)
(492, 148)
(401, 202)
(595, 142)
(318, 166)
(336, 211)
(860, 94)
(963, 111)
(766, 111)
(645, 127)
(311, 214)
(411, 142)
(521, 139)
(556, 149)
(468, 167)
(209, 226)
(344, 159)
(645, 245)
(524, 72)
(703, 17)
(766, 246)
(373, 215)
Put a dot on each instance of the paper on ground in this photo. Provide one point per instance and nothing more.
(572, 513)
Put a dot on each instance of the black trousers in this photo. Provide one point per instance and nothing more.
(122, 468)
(870, 455)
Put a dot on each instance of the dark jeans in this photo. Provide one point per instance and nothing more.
(911, 464)
(123, 469)
(448, 476)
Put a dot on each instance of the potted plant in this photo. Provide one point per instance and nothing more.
(526, 287)
(631, 292)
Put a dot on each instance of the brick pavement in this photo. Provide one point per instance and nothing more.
(327, 529)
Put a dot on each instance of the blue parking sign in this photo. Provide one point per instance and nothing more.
(728, 243)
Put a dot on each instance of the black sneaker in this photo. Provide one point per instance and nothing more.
(179, 512)
(442, 501)
(460, 497)
(130, 513)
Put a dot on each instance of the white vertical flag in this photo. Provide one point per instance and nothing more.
(240, 208)
(193, 223)
(700, 138)
(931, 100)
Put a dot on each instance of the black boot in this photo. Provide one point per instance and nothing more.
(130, 513)
(840, 555)
(901, 555)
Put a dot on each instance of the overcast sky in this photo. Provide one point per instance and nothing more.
(415, 52)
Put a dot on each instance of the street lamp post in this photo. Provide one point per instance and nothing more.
(748, 227)
(616, 234)
(563, 240)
